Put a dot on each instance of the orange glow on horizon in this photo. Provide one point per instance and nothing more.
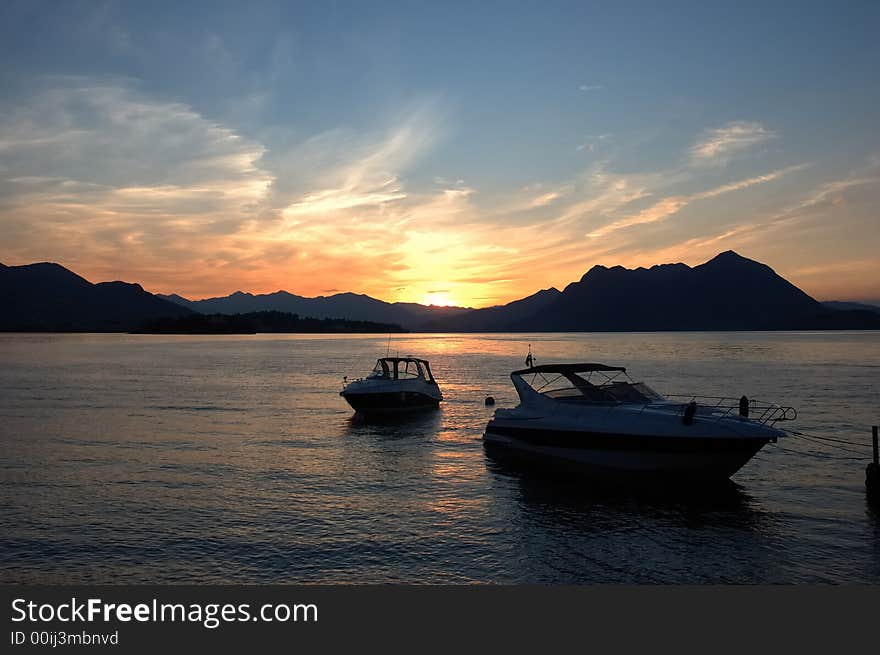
(438, 298)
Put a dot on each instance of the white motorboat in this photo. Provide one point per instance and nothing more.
(614, 425)
(396, 384)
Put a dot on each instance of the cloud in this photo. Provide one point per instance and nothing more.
(602, 193)
(113, 182)
(97, 174)
(810, 228)
(329, 201)
(545, 199)
(593, 142)
(749, 182)
(718, 145)
(104, 132)
(829, 192)
(338, 169)
(669, 206)
(591, 87)
(656, 212)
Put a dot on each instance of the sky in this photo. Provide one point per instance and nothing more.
(455, 153)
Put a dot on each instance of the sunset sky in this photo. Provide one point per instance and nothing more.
(468, 153)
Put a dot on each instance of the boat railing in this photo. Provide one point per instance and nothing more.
(760, 411)
(720, 406)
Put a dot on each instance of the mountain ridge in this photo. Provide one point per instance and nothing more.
(346, 305)
(728, 292)
(47, 297)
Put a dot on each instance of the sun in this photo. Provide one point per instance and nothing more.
(438, 298)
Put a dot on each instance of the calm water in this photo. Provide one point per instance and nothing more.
(232, 459)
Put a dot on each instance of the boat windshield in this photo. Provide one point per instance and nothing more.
(579, 387)
(399, 368)
(631, 392)
(408, 369)
(382, 370)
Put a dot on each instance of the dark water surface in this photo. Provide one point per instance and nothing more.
(232, 459)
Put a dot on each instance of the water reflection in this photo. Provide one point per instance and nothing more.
(394, 426)
(394, 451)
(574, 528)
(123, 463)
(555, 487)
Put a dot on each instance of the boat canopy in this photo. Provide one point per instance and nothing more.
(401, 368)
(569, 368)
(572, 383)
(403, 359)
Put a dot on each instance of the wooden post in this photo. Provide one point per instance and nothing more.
(872, 472)
(874, 443)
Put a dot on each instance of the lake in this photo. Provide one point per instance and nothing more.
(232, 459)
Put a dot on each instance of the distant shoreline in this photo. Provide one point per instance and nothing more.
(727, 293)
(417, 333)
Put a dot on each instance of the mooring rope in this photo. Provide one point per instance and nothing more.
(821, 455)
(827, 442)
(821, 438)
(821, 442)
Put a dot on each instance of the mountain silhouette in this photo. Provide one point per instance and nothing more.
(260, 323)
(347, 306)
(729, 292)
(838, 305)
(47, 297)
(498, 318)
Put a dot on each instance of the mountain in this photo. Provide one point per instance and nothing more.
(498, 318)
(259, 322)
(49, 298)
(729, 292)
(838, 305)
(348, 306)
(177, 300)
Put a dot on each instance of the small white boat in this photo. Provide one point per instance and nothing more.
(396, 384)
(619, 426)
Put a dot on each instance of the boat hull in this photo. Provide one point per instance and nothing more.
(390, 402)
(610, 454)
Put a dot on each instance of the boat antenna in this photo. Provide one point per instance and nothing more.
(388, 347)
(530, 359)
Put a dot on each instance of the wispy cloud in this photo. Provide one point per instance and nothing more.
(105, 132)
(593, 142)
(749, 182)
(545, 199)
(669, 206)
(101, 176)
(829, 192)
(591, 87)
(719, 144)
(809, 226)
(339, 170)
(656, 212)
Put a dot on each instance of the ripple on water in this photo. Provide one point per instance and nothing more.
(234, 460)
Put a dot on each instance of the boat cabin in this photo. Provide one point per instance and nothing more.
(402, 368)
(583, 383)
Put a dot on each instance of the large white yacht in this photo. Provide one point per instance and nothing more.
(396, 384)
(598, 418)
